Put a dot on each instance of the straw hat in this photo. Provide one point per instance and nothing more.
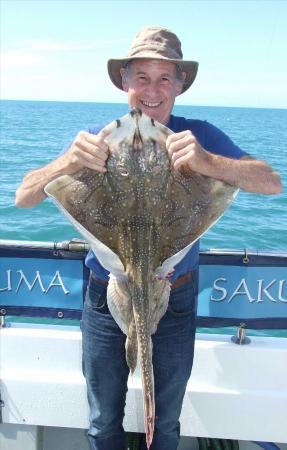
(154, 43)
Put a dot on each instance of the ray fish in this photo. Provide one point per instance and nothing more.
(140, 218)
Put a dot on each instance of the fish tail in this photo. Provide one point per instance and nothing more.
(148, 391)
(140, 293)
(149, 418)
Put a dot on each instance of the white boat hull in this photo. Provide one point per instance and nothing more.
(235, 392)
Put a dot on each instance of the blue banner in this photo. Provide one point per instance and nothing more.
(255, 295)
(233, 289)
(43, 284)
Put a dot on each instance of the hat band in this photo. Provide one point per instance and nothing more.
(158, 48)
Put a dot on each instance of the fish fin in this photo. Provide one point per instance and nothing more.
(120, 303)
(120, 306)
(220, 196)
(132, 347)
(169, 264)
(107, 258)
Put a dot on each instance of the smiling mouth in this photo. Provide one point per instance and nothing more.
(150, 104)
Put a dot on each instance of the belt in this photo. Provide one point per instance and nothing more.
(180, 281)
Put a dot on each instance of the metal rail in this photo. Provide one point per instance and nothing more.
(73, 245)
(80, 245)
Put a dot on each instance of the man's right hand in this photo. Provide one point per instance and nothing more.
(87, 150)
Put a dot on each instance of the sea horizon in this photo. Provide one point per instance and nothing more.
(125, 104)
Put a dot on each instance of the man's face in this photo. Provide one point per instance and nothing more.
(152, 86)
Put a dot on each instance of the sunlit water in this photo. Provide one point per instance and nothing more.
(34, 133)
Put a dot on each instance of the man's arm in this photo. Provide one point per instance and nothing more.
(87, 150)
(250, 174)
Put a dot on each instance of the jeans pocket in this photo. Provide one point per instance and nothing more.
(96, 298)
(182, 301)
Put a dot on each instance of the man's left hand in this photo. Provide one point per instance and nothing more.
(186, 152)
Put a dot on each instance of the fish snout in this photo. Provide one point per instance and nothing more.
(136, 113)
(137, 141)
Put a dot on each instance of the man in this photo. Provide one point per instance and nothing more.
(152, 74)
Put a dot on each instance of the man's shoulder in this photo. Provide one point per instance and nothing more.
(178, 123)
(209, 136)
(201, 129)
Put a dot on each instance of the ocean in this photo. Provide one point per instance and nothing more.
(33, 133)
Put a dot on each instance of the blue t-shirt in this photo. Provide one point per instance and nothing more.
(211, 139)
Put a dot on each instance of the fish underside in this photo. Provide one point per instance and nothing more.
(140, 219)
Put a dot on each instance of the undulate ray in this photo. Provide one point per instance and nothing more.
(140, 219)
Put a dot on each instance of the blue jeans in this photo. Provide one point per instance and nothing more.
(106, 371)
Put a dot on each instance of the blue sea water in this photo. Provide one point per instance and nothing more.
(34, 133)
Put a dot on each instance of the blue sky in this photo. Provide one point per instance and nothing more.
(57, 49)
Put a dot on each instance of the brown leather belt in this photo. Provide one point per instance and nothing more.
(180, 281)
